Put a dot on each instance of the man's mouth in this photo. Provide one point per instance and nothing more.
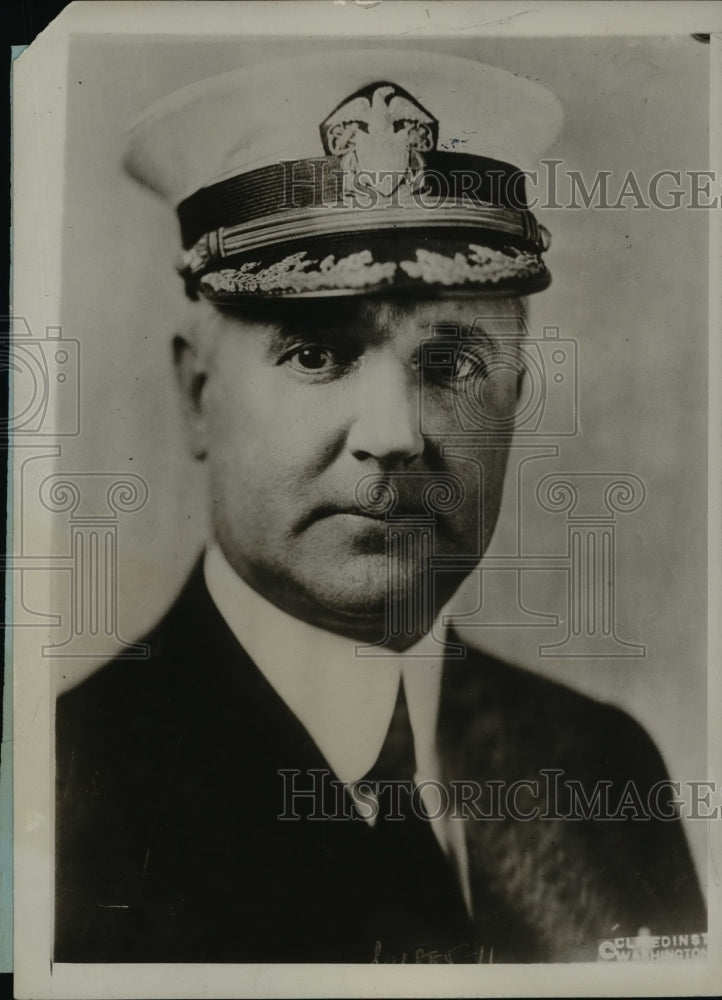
(407, 498)
(402, 513)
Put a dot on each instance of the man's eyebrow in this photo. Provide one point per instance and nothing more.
(278, 336)
(470, 332)
(476, 332)
(290, 318)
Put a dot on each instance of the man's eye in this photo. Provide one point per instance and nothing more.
(460, 368)
(313, 358)
(470, 366)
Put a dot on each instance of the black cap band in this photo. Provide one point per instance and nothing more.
(317, 184)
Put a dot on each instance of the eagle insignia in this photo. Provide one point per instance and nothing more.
(382, 132)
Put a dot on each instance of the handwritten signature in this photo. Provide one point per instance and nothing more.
(460, 953)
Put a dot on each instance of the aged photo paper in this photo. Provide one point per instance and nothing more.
(365, 437)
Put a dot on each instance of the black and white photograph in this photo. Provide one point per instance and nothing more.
(365, 459)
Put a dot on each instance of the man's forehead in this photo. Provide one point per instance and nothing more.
(382, 314)
(464, 309)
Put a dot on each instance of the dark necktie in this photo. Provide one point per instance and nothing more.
(421, 908)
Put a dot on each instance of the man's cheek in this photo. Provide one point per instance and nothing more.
(483, 478)
(438, 414)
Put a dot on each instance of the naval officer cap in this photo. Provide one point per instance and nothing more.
(352, 172)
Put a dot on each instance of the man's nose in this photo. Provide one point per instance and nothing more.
(386, 425)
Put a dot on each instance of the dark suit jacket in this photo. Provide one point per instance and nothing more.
(168, 846)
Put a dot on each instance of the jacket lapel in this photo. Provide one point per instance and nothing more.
(535, 894)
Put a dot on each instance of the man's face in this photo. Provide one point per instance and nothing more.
(326, 424)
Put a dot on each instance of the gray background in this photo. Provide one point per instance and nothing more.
(629, 286)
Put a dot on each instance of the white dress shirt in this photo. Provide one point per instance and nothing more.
(343, 700)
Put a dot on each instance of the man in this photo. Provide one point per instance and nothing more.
(306, 767)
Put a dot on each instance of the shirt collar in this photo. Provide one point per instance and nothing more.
(343, 699)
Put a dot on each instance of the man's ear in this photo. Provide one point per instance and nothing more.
(191, 375)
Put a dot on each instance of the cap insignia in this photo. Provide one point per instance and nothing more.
(383, 132)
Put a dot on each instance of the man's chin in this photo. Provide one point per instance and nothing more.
(362, 599)
(358, 589)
